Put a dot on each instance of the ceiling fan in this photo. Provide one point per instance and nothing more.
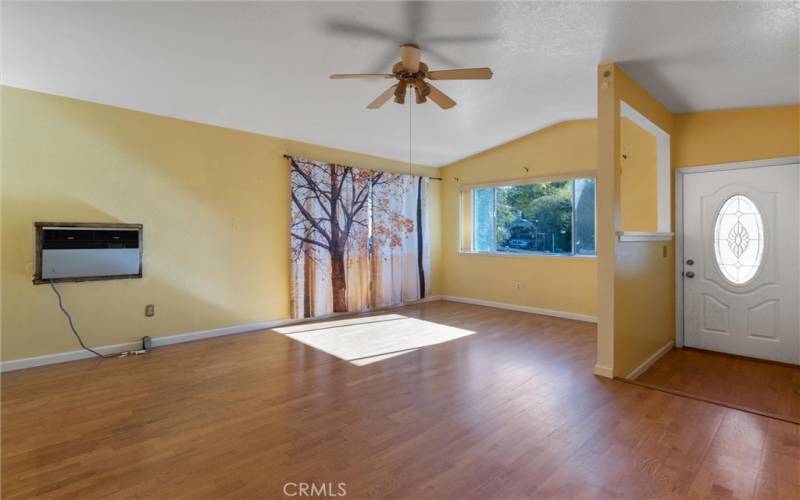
(411, 72)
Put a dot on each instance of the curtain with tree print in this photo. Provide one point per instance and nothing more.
(358, 238)
(399, 254)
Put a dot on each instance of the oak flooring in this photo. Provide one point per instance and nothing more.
(512, 411)
(761, 386)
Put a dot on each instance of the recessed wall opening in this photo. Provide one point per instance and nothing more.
(645, 177)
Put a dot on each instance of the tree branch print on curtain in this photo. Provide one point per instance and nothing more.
(398, 257)
(335, 231)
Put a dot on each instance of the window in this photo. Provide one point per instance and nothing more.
(738, 239)
(554, 217)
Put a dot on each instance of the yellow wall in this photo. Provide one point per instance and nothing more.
(636, 293)
(226, 192)
(644, 301)
(557, 283)
(712, 137)
(607, 213)
(214, 203)
(638, 178)
(638, 265)
(636, 285)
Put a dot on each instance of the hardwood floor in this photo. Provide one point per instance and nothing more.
(512, 411)
(762, 386)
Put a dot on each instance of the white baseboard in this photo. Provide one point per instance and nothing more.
(604, 371)
(218, 332)
(430, 298)
(527, 309)
(62, 357)
(651, 360)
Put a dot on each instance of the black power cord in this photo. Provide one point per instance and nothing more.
(72, 326)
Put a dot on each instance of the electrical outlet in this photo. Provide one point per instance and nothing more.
(150, 310)
(518, 285)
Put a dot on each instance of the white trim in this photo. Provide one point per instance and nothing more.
(219, 332)
(664, 183)
(678, 258)
(680, 173)
(529, 255)
(62, 357)
(629, 112)
(769, 162)
(626, 236)
(651, 360)
(604, 371)
(517, 307)
(663, 164)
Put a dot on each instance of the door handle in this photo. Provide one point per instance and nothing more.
(690, 274)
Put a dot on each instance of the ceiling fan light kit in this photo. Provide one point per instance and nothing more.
(411, 72)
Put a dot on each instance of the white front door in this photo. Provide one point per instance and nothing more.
(741, 261)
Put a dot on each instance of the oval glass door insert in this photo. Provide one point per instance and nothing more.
(739, 239)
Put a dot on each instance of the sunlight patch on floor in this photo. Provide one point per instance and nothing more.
(362, 341)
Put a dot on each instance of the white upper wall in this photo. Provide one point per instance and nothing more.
(264, 66)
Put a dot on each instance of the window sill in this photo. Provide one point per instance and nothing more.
(529, 255)
(628, 236)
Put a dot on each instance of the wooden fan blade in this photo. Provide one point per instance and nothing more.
(361, 75)
(440, 98)
(409, 55)
(381, 99)
(461, 74)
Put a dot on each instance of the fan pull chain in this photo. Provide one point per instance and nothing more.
(410, 139)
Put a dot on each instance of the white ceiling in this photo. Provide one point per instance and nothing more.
(264, 66)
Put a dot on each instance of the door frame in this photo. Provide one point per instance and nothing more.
(680, 173)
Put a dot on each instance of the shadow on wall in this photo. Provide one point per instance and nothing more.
(19, 235)
(105, 312)
(214, 204)
(212, 231)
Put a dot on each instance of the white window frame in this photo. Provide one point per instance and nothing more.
(469, 189)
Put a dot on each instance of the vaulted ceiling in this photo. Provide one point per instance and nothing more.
(264, 66)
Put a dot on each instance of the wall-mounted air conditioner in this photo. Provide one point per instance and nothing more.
(87, 251)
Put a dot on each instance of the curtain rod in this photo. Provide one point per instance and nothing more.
(289, 157)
